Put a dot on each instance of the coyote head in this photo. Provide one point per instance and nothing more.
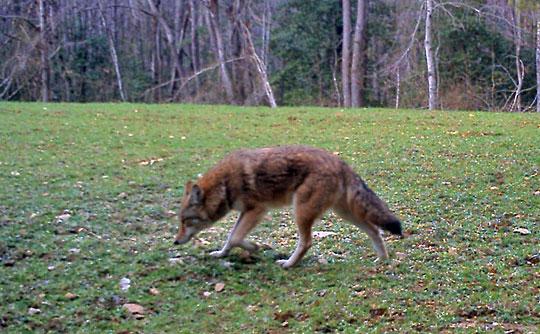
(193, 215)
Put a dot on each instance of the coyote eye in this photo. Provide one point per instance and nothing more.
(191, 222)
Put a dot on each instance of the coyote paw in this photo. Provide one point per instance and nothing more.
(218, 254)
(284, 264)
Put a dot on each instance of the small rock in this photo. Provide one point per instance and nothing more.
(400, 255)
(74, 250)
(522, 231)
(33, 311)
(170, 213)
(154, 291)
(206, 294)
(63, 218)
(226, 264)
(125, 284)
(9, 263)
(322, 234)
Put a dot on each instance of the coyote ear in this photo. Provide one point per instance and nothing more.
(196, 195)
(187, 187)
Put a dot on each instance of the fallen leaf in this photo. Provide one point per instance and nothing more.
(283, 316)
(219, 287)
(150, 162)
(252, 308)
(136, 310)
(377, 312)
(70, 296)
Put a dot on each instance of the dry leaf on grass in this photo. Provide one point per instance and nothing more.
(136, 310)
(219, 287)
(70, 296)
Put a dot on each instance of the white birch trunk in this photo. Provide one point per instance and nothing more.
(345, 54)
(516, 105)
(358, 56)
(430, 58)
(538, 62)
(44, 52)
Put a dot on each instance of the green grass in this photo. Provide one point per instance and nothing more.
(462, 183)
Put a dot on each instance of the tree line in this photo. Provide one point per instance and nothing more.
(460, 54)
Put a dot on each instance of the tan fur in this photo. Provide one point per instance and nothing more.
(253, 181)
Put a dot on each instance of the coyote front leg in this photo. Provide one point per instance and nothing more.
(245, 223)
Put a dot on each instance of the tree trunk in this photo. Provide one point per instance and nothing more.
(430, 58)
(114, 54)
(516, 105)
(538, 61)
(212, 18)
(169, 36)
(261, 68)
(359, 56)
(345, 54)
(44, 52)
(194, 42)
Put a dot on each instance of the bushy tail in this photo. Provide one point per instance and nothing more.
(393, 226)
(367, 206)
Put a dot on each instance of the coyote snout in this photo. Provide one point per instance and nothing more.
(253, 181)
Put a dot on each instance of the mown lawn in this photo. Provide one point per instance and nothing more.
(88, 196)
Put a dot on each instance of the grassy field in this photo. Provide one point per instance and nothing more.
(88, 196)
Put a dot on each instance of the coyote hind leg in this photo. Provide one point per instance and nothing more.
(371, 230)
(309, 205)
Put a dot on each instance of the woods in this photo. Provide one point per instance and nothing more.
(465, 54)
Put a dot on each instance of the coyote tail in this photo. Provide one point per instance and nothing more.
(367, 206)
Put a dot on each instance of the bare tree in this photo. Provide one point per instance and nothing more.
(345, 54)
(44, 50)
(518, 41)
(430, 57)
(112, 47)
(171, 42)
(212, 19)
(194, 46)
(358, 56)
(261, 67)
(538, 60)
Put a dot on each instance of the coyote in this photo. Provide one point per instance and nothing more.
(256, 180)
